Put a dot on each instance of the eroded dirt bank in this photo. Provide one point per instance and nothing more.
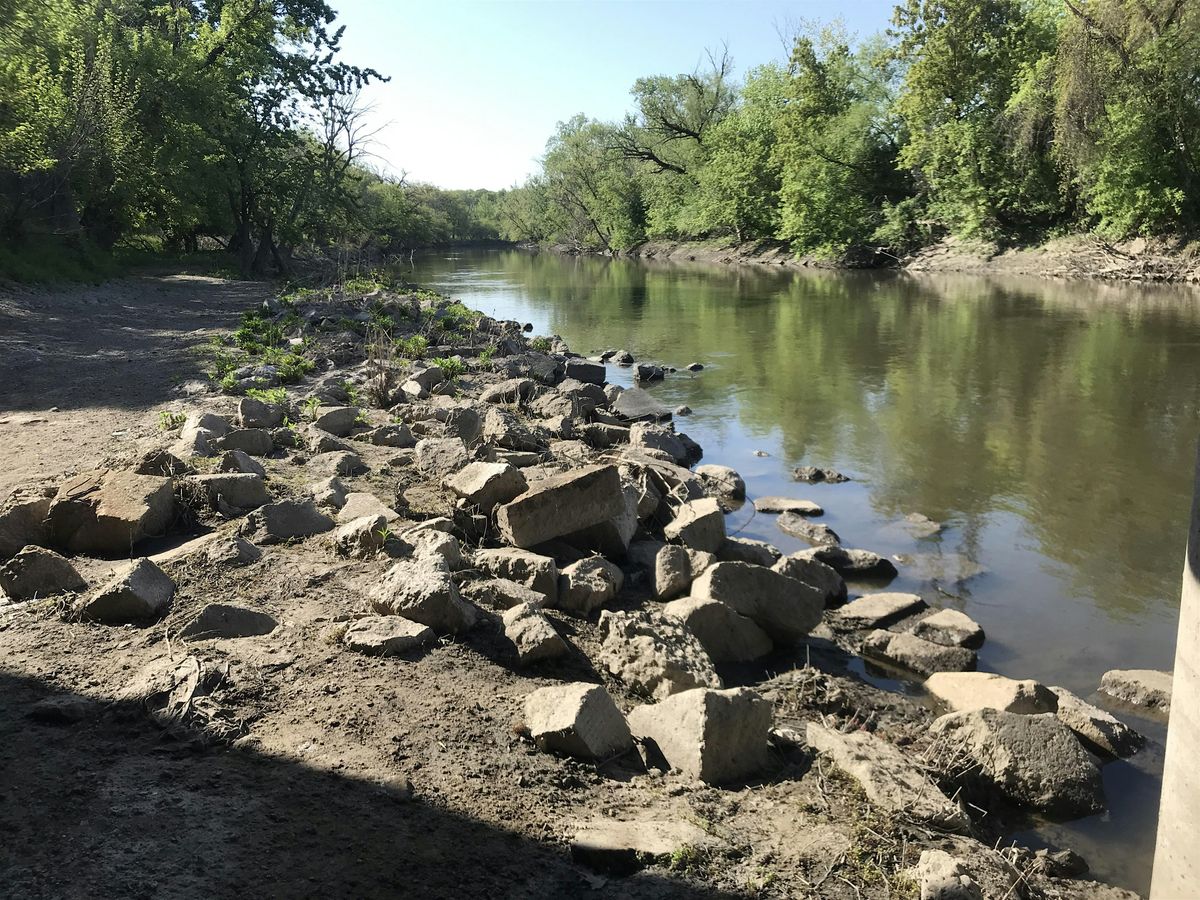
(309, 739)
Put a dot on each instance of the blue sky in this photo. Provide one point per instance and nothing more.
(478, 86)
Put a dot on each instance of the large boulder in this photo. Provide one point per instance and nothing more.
(486, 484)
(577, 720)
(890, 779)
(37, 572)
(532, 634)
(876, 611)
(784, 608)
(698, 524)
(1147, 688)
(22, 521)
(285, 520)
(561, 505)
(1095, 727)
(587, 372)
(921, 656)
(635, 404)
(421, 589)
(587, 585)
(713, 735)
(106, 513)
(816, 574)
(140, 592)
(748, 550)
(534, 571)
(1031, 760)
(724, 633)
(966, 691)
(653, 655)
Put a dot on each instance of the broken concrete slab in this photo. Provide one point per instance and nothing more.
(36, 572)
(361, 538)
(359, 503)
(255, 441)
(890, 779)
(717, 736)
(421, 589)
(784, 608)
(106, 513)
(561, 505)
(635, 404)
(237, 461)
(965, 691)
(579, 720)
(722, 482)
(876, 611)
(22, 521)
(337, 420)
(386, 635)
(817, 533)
(654, 655)
(739, 549)
(724, 633)
(240, 490)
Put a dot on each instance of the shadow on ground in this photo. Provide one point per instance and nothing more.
(109, 807)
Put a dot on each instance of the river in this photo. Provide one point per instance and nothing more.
(1051, 426)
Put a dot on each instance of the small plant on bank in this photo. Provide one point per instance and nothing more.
(414, 346)
(540, 344)
(170, 421)
(310, 407)
(486, 355)
(451, 366)
(276, 395)
(229, 383)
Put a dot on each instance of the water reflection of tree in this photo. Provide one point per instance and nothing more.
(1072, 404)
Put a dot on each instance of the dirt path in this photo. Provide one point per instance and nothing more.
(84, 369)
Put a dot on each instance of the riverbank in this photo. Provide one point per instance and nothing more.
(1072, 257)
(291, 733)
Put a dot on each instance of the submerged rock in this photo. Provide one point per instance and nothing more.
(815, 474)
(1147, 688)
(921, 656)
(814, 532)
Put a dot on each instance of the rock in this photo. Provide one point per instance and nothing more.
(602, 436)
(329, 493)
(1032, 760)
(815, 474)
(394, 434)
(787, 505)
(653, 655)
(612, 536)
(240, 461)
(890, 779)
(322, 442)
(921, 526)
(284, 520)
(760, 553)
(285, 437)
(237, 489)
(255, 441)
(726, 635)
(140, 592)
(698, 524)
(695, 367)
(942, 877)
(440, 456)
(428, 542)
(587, 585)
(254, 413)
(967, 691)
(624, 847)
(646, 436)
(816, 574)
(487, 485)
(421, 590)
(361, 537)
(502, 428)
(106, 513)
(1096, 728)
(428, 377)
(502, 593)
(949, 627)
(225, 620)
(337, 462)
(722, 482)
(359, 503)
(22, 521)
(876, 611)
(683, 410)
(1147, 688)
(648, 372)
(536, 572)
(562, 504)
(465, 424)
(814, 532)
(637, 405)
(784, 608)
(65, 710)
(162, 463)
(713, 735)
(623, 358)
(672, 572)
(578, 720)
(386, 635)
(512, 391)
(337, 420)
(532, 634)
(232, 551)
(921, 656)
(851, 563)
(36, 572)
(587, 372)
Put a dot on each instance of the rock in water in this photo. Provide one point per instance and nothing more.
(815, 474)
(421, 590)
(140, 593)
(1032, 760)
(716, 736)
(889, 778)
(966, 691)
(1095, 727)
(876, 610)
(950, 627)
(1142, 687)
(814, 532)
(106, 513)
(921, 656)
(36, 572)
(787, 505)
(577, 720)
(816, 574)
(562, 505)
(654, 655)
(722, 482)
